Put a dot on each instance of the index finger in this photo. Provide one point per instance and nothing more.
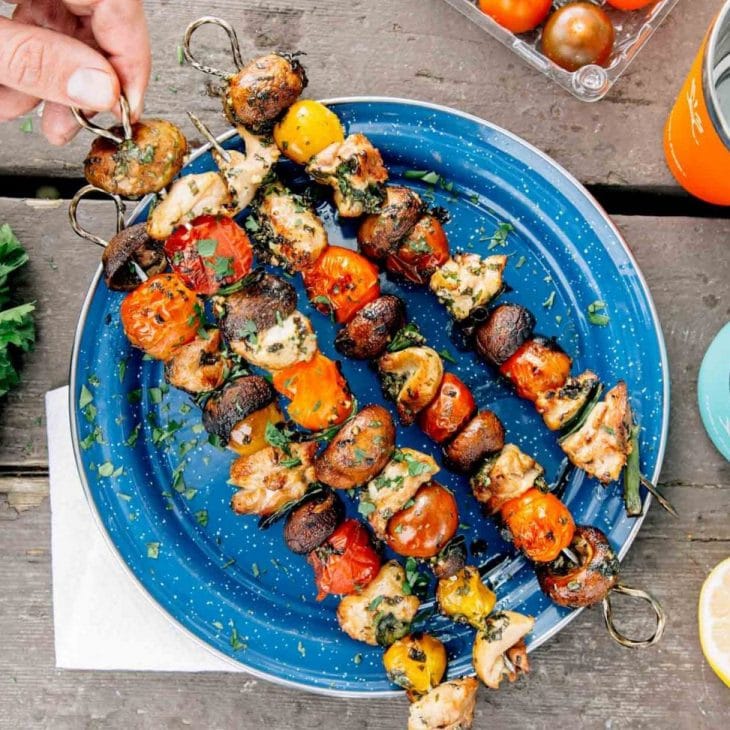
(120, 29)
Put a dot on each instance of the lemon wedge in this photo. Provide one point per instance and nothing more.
(714, 612)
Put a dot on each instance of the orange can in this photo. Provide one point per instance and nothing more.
(697, 133)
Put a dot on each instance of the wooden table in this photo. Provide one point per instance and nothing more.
(421, 49)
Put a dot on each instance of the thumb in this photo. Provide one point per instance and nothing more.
(47, 65)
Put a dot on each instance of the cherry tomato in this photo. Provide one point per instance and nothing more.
(578, 34)
(519, 16)
(540, 524)
(449, 411)
(306, 129)
(160, 315)
(538, 366)
(341, 282)
(209, 252)
(345, 562)
(318, 392)
(422, 251)
(421, 530)
(629, 4)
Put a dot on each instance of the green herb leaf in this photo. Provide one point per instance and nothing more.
(207, 246)
(180, 56)
(153, 550)
(499, 237)
(201, 517)
(597, 314)
(106, 469)
(548, 303)
(26, 126)
(85, 397)
(155, 395)
(446, 355)
(365, 507)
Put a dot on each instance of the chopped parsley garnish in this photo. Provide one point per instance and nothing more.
(249, 332)
(155, 395)
(180, 56)
(446, 355)
(365, 507)
(499, 237)
(597, 314)
(153, 550)
(279, 438)
(85, 397)
(201, 517)
(26, 126)
(235, 641)
(548, 303)
(106, 469)
(207, 246)
(520, 262)
(428, 176)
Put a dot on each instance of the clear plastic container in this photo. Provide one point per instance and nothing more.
(590, 83)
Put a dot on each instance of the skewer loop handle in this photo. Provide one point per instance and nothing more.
(90, 126)
(616, 635)
(73, 210)
(232, 37)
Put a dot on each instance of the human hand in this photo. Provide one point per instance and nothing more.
(72, 53)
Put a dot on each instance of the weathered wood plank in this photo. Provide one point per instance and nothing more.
(580, 679)
(689, 299)
(422, 49)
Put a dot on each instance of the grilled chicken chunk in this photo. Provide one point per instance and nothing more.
(503, 633)
(262, 90)
(411, 378)
(287, 229)
(359, 451)
(381, 612)
(467, 281)
(355, 171)
(448, 706)
(600, 447)
(198, 366)
(187, 198)
(370, 331)
(270, 477)
(389, 492)
(290, 341)
(380, 233)
(559, 407)
(506, 476)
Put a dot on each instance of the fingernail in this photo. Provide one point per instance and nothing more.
(92, 88)
(136, 103)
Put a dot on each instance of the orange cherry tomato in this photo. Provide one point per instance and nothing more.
(421, 252)
(519, 16)
(540, 524)
(318, 392)
(449, 411)
(209, 252)
(341, 282)
(629, 4)
(421, 530)
(345, 562)
(160, 315)
(538, 366)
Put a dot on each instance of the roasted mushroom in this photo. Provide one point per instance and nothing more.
(464, 598)
(450, 560)
(506, 329)
(483, 435)
(602, 444)
(238, 414)
(259, 92)
(131, 246)
(285, 227)
(199, 366)
(313, 521)
(390, 491)
(503, 477)
(411, 378)
(448, 706)
(467, 281)
(502, 632)
(585, 584)
(561, 406)
(355, 171)
(265, 301)
(380, 233)
(359, 451)
(144, 164)
(382, 612)
(370, 331)
(271, 477)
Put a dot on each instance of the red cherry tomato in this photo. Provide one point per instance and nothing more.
(540, 524)
(449, 411)
(209, 252)
(538, 366)
(629, 4)
(345, 562)
(519, 16)
(578, 34)
(319, 394)
(160, 315)
(421, 252)
(341, 282)
(421, 530)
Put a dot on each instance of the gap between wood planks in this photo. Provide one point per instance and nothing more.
(628, 200)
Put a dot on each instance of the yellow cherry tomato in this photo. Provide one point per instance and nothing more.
(464, 597)
(306, 129)
(416, 662)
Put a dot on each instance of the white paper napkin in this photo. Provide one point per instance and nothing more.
(102, 618)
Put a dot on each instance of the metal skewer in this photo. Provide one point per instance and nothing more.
(88, 125)
(203, 129)
(663, 501)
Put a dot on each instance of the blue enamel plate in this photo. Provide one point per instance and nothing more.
(159, 488)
